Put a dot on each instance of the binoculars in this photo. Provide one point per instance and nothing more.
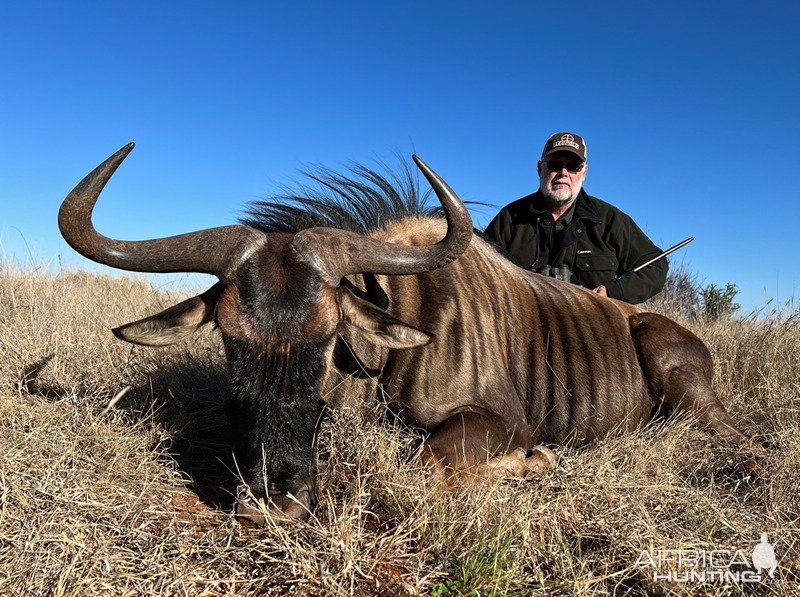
(561, 272)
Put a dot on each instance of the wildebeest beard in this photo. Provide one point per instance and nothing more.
(274, 412)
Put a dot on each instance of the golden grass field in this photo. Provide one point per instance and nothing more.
(110, 494)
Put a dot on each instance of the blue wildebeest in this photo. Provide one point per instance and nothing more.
(491, 360)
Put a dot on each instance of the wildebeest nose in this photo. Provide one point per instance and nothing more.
(254, 510)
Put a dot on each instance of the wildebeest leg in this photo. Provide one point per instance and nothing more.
(481, 446)
(679, 368)
(692, 392)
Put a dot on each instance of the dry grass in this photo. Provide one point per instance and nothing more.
(135, 499)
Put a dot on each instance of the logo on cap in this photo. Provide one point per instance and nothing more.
(567, 140)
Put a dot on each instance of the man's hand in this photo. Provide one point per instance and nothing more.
(601, 290)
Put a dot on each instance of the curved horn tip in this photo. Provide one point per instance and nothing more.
(116, 158)
(126, 149)
(433, 178)
(426, 170)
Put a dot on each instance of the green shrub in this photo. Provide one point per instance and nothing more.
(718, 303)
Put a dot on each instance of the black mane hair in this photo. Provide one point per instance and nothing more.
(362, 200)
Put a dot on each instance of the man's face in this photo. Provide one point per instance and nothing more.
(561, 176)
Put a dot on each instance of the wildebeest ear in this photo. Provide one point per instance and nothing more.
(376, 326)
(174, 324)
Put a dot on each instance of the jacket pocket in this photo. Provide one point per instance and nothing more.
(597, 263)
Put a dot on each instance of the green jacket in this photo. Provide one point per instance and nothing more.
(599, 243)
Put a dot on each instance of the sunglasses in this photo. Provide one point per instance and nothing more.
(555, 165)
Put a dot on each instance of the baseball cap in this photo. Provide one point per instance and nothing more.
(565, 142)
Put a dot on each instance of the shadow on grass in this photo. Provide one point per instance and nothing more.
(187, 399)
(180, 395)
(29, 383)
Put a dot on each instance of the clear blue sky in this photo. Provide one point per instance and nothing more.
(690, 111)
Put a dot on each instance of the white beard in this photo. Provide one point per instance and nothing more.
(559, 197)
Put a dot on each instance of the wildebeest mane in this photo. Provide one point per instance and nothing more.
(361, 200)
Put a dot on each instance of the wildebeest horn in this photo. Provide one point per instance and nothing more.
(216, 251)
(339, 252)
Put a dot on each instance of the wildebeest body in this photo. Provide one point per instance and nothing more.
(556, 362)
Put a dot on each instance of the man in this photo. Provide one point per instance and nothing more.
(561, 225)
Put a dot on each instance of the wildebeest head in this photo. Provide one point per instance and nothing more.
(279, 305)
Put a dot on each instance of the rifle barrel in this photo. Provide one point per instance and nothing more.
(680, 245)
(672, 249)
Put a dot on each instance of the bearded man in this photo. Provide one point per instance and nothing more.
(562, 231)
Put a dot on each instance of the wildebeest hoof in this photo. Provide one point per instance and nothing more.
(541, 459)
(754, 469)
(519, 464)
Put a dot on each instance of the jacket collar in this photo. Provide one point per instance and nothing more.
(585, 207)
